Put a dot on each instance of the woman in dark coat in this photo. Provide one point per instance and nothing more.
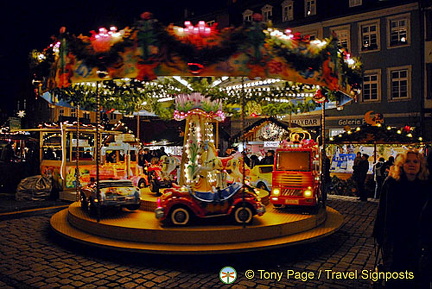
(425, 261)
(397, 225)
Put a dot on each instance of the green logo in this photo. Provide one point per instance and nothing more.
(228, 275)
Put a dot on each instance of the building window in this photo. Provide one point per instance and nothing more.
(247, 15)
(399, 82)
(428, 24)
(398, 31)
(428, 80)
(371, 86)
(73, 112)
(61, 112)
(267, 12)
(211, 23)
(353, 3)
(86, 115)
(343, 35)
(287, 11)
(310, 8)
(312, 36)
(369, 34)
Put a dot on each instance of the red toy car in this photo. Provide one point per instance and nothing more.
(178, 206)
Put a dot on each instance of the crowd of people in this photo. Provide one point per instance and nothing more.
(147, 156)
(360, 170)
(252, 160)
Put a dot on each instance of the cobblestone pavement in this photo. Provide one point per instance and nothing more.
(32, 256)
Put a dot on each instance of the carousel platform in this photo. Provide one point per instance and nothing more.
(139, 231)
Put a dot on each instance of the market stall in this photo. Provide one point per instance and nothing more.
(376, 140)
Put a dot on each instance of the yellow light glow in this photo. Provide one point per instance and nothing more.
(276, 192)
(307, 193)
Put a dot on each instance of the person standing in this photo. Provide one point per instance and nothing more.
(386, 166)
(8, 152)
(397, 227)
(355, 166)
(425, 260)
(360, 177)
(246, 159)
(326, 172)
(269, 158)
(378, 177)
(254, 161)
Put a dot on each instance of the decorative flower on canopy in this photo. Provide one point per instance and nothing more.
(196, 103)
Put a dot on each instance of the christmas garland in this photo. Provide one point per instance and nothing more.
(376, 134)
(128, 96)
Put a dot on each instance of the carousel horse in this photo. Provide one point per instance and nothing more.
(234, 169)
(208, 175)
(169, 165)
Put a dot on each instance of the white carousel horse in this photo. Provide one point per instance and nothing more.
(208, 175)
(234, 168)
(169, 164)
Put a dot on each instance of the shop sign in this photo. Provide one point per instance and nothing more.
(307, 121)
(343, 122)
(81, 142)
(126, 137)
(14, 123)
(373, 118)
(271, 144)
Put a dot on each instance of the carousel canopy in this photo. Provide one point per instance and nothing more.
(148, 49)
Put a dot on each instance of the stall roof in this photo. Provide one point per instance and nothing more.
(248, 131)
(378, 134)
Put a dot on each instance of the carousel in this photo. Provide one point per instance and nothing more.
(211, 208)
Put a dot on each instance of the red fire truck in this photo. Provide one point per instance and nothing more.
(296, 177)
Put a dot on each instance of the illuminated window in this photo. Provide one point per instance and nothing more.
(73, 112)
(311, 34)
(211, 23)
(398, 31)
(343, 35)
(399, 82)
(247, 15)
(428, 80)
(310, 8)
(428, 24)
(287, 10)
(369, 34)
(371, 86)
(267, 12)
(353, 3)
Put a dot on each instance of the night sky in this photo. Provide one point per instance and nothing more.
(28, 26)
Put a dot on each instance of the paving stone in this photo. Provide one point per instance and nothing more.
(149, 284)
(77, 284)
(101, 282)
